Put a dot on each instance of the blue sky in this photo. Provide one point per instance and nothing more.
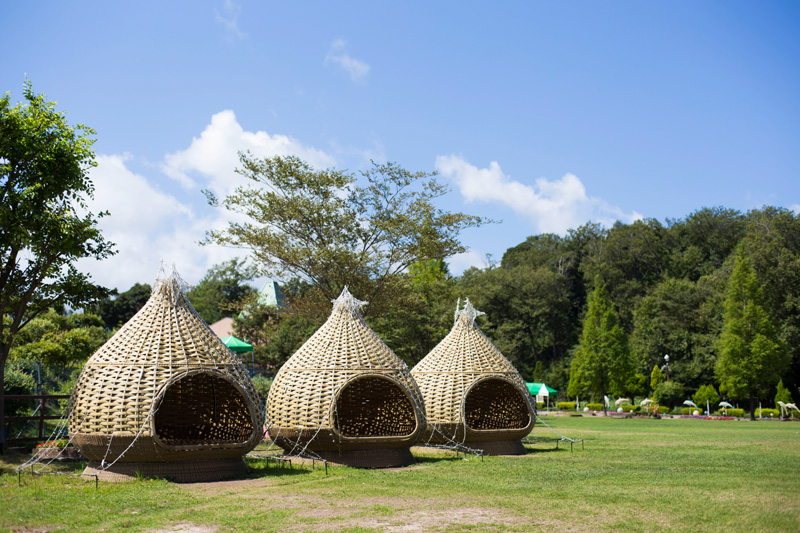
(545, 115)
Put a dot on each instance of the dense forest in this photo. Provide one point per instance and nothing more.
(667, 285)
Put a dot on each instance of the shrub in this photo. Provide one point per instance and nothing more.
(630, 408)
(539, 405)
(706, 393)
(566, 406)
(669, 393)
(16, 382)
(782, 394)
(691, 410)
(595, 406)
(767, 413)
(662, 410)
(262, 385)
(730, 412)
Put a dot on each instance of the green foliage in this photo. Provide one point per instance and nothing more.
(538, 373)
(333, 230)
(528, 310)
(706, 393)
(44, 184)
(772, 243)
(566, 406)
(681, 318)
(57, 340)
(656, 378)
(637, 384)
(705, 238)
(17, 382)
(45, 224)
(630, 408)
(275, 334)
(669, 393)
(691, 410)
(539, 405)
(222, 291)
(782, 394)
(752, 357)
(767, 413)
(632, 258)
(595, 406)
(117, 310)
(262, 385)
(602, 362)
(425, 317)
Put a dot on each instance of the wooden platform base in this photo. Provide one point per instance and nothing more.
(499, 447)
(191, 471)
(370, 458)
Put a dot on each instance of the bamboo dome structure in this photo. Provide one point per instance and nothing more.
(165, 397)
(345, 396)
(473, 395)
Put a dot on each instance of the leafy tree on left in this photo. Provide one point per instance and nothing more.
(45, 223)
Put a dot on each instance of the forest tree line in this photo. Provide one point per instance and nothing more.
(666, 283)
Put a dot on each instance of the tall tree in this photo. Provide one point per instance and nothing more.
(752, 357)
(117, 309)
(332, 229)
(430, 298)
(222, 291)
(45, 226)
(679, 318)
(773, 246)
(602, 362)
(631, 259)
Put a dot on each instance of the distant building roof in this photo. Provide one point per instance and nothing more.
(222, 327)
(271, 295)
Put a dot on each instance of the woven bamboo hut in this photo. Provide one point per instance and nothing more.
(473, 395)
(345, 396)
(165, 397)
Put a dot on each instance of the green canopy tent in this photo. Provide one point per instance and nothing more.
(541, 391)
(238, 346)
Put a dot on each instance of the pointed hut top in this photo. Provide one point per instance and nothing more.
(171, 286)
(349, 303)
(167, 330)
(465, 348)
(468, 312)
(345, 340)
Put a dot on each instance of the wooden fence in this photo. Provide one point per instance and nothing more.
(39, 417)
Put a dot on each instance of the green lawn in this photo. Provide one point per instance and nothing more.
(634, 475)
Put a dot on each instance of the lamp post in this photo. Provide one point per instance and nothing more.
(665, 368)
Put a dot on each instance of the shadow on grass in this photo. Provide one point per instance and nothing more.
(258, 468)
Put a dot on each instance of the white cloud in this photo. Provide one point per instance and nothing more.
(553, 206)
(338, 55)
(146, 224)
(149, 225)
(230, 19)
(212, 158)
(795, 208)
(461, 262)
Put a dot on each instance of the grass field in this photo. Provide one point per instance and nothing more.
(634, 475)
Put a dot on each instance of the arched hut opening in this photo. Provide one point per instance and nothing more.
(473, 395)
(165, 397)
(345, 396)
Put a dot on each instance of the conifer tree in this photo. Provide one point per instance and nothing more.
(751, 355)
(602, 362)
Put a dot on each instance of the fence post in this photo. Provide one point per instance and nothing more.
(41, 417)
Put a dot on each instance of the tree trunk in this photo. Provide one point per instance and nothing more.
(3, 357)
(752, 407)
